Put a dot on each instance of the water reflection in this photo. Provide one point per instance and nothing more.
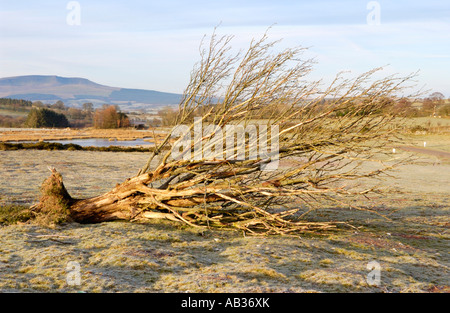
(104, 142)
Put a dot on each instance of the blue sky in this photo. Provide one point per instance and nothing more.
(154, 44)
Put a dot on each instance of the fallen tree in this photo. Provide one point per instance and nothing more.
(216, 169)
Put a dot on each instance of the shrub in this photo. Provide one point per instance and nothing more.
(109, 117)
(444, 110)
(41, 117)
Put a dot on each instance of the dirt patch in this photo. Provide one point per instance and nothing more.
(437, 153)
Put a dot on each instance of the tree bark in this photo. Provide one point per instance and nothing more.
(119, 203)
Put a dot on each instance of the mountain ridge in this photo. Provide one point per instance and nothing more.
(76, 90)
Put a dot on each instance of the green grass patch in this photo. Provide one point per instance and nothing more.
(52, 146)
(13, 214)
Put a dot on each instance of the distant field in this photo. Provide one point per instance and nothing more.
(428, 121)
(36, 134)
(431, 141)
(13, 113)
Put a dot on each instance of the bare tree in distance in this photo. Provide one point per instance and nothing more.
(433, 101)
(437, 96)
(325, 134)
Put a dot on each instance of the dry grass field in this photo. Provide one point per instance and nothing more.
(411, 247)
(36, 134)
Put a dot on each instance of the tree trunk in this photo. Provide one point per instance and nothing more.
(121, 203)
(134, 200)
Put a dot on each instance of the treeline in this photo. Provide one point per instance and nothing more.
(15, 104)
(58, 115)
(434, 105)
(393, 107)
(77, 118)
(108, 116)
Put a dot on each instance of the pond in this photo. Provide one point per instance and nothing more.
(101, 142)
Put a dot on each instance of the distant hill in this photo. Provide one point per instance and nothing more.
(75, 91)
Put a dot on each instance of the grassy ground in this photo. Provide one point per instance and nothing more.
(411, 248)
(431, 141)
(428, 122)
(412, 252)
